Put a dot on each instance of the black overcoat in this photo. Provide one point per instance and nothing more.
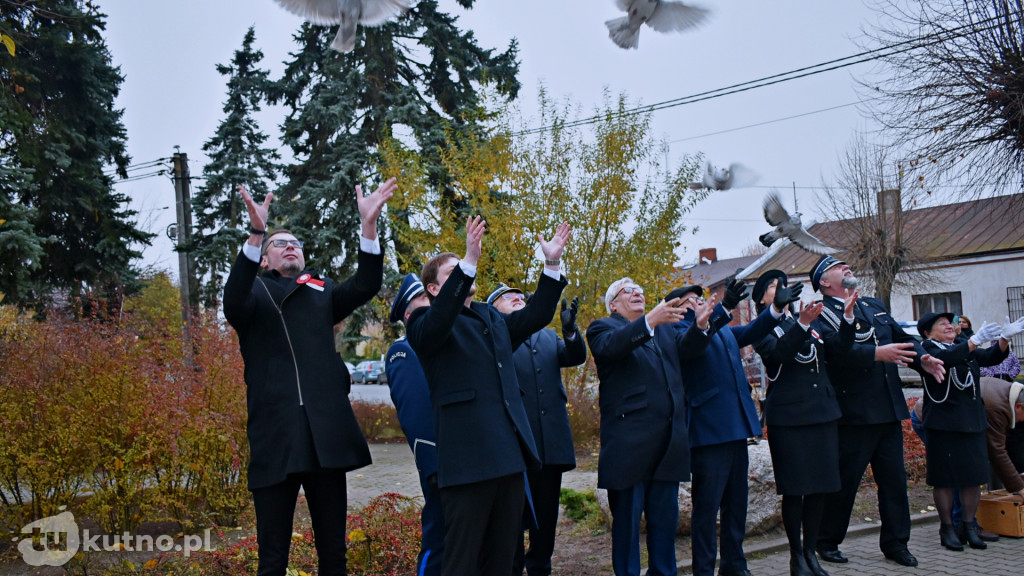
(956, 404)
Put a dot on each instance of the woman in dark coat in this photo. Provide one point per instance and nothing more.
(802, 415)
(954, 415)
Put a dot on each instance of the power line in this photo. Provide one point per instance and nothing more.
(859, 58)
(142, 177)
(726, 131)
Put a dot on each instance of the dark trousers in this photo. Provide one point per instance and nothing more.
(545, 487)
(881, 445)
(432, 520)
(658, 502)
(720, 474)
(482, 521)
(328, 508)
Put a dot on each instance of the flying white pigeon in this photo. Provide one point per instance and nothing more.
(661, 15)
(735, 176)
(787, 226)
(348, 13)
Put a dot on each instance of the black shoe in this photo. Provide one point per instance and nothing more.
(835, 556)
(812, 563)
(798, 565)
(987, 536)
(740, 573)
(949, 539)
(903, 557)
(969, 535)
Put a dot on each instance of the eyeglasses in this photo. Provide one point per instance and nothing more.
(629, 290)
(512, 296)
(281, 243)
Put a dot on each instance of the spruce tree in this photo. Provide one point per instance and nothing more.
(420, 74)
(237, 156)
(66, 142)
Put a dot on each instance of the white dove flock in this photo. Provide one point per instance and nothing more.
(787, 226)
(348, 13)
(660, 16)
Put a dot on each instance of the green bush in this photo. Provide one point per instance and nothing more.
(582, 508)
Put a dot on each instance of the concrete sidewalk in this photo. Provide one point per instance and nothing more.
(1002, 558)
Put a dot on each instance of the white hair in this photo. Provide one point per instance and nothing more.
(614, 289)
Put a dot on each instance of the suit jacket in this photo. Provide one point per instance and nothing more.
(643, 410)
(869, 392)
(721, 408)
(955, 404)
(538, 362)
(799, 391)
(411, 396)
(297, 384)
(1001, 419)
(482, 428)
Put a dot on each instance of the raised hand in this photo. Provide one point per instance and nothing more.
(1011, 329)
(933, 366)
(475, 228)
(553, 248)
(568, 316)
(988, 332)
(371, 205)
(735, 292)
(810, 313)
(786, 295)
(850, 302)
(900, 354)
(702, 312)
(257, 212)
(666, 312)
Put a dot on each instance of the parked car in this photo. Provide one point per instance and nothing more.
(370, 372)
(909, 376)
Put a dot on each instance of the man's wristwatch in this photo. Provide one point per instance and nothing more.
(552, 262)
(255, 230)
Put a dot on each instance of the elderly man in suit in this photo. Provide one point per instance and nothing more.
(302, 431)
(411, 397)
(644, 447)
(484, 443)
(1004, 410)
(870, 396)
(538, 364)
(722, 418)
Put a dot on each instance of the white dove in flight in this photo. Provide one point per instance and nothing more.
(787, 226)
(735, 176)
(348, 13)
(661, 15)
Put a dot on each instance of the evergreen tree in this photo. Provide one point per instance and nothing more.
(65, 133)
(420, 74)
(237, 156)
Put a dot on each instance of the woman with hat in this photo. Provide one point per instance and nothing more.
(954, 416)
(802, 415)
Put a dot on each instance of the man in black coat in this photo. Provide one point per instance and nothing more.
(870, 395)
(538, 364)
(484, 442)
(302, 431)
(645, 450)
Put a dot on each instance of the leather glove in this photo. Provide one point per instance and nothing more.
(568, 316)
(988, 332)
(1011, 329)
(735, 292)
(784, 296)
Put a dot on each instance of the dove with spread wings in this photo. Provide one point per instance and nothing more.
(660, 15)
(787, 226)
(348, 13)
(734, 176)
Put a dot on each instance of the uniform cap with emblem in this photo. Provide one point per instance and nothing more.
(411, 287)
(680, 292)
(820, 267)
(764, 281)
(501, 289)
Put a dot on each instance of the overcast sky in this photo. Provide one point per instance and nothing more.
(172, 94)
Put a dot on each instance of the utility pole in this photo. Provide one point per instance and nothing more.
(186, 264)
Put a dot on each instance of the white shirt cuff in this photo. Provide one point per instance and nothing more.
(775, 314)
(468, 269)
(849, 319)
(648, 325)
(552, 274)
(251, 252)
(369, 246)
(806, 327)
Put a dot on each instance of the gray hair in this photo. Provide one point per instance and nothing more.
(613, 289)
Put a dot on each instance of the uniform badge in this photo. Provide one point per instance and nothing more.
(313, 283)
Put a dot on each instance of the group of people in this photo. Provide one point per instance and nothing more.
(478, 390)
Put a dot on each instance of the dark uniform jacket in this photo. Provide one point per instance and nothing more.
(799, 392)
(869, 392)
(299, 412)
(721, 408)
(411, 396)
(466, 353)
(643, 409)
(538, 362)
(955, 404)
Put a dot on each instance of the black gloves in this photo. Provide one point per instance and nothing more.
(568, 316)
(784, 296)
(735, 292)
